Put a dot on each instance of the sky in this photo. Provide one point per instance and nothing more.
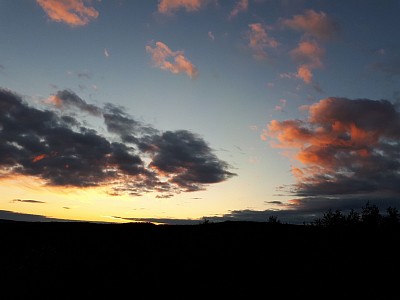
(176, 111)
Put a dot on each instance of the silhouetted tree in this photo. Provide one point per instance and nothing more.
(274, 220)
(353, 218)
(333, 218)
(393, 216)
(205, 221)
(370, 215)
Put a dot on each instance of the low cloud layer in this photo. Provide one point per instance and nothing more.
(174, 61)
(55, 147)
(346, 148)
(71, 12)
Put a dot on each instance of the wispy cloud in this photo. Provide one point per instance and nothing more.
(27, 201)
(345, 147)
(174, 61)
(211, 35)
(71, 12)
(316, 24)
(106, 53)
(240, 6)
(170, 6)
(260, 41)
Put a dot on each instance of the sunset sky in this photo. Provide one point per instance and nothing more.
(172, 111)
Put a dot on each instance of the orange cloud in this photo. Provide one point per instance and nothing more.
(173, 61)
(259, 41)
(309, 55)
(240, 6)
(71, 12)
(39, 157)
(316, 24)
(304, 73)
(169, 6)
(343, 145)
(54, 100)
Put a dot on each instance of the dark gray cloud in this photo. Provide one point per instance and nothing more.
(15, 216)
(27, 201)
(123, 125)
(68, 99)
(187, 159)
(58, 149)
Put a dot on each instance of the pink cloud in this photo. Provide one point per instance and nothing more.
(241, 5)
(317, 24)
(71, 12)
(259, 41)
(169, 6)
(173, 61)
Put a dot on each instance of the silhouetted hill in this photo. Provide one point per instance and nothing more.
(246, 260)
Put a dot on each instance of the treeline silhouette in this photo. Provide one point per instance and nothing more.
(339, 256)
(369, 216)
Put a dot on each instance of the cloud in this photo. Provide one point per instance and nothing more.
(106, 53)
(173, 61)
(16, 216)
(259, 41)
(241, 5)
(68, 99)
(60, 151)
(345, 148)
(281, 106)
(27, 201)
(308, 56)
(71, 12)
(308, 53)
(211, 36)
(186, 158)
(316, 24)
(170, 6)
(389, 67)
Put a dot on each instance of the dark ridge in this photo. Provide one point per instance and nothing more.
(227, 260)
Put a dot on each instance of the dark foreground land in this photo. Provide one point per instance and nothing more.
(229, 260)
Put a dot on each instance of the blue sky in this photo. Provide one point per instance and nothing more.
(238, 109)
